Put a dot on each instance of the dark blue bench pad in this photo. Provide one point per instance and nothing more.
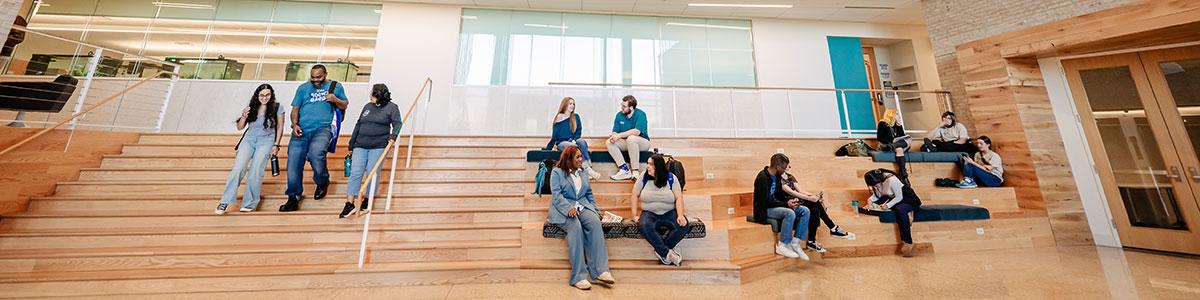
(888, 156)
(925, 213)
(626, 229)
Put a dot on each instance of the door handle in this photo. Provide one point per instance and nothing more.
(1175, 174)
(1195, 174)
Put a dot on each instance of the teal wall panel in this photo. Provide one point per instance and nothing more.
(849, 72)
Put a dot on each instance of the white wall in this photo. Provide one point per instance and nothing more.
(1095, 206)
(414, 42)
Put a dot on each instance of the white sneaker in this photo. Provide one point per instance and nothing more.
(221, 209)
(606, 278)
(796, 246)
(622, 175)
(583, 285)
(675, 257)
(246, 209)
(665, 260)
(785, 250)
(802, 256)
(593, 174)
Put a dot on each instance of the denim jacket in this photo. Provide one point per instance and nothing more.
(564, 196)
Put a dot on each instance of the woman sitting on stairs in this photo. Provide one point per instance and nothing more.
(816, 206)
(890, 133)
(661, 199)
(573, 208)
(889, 193)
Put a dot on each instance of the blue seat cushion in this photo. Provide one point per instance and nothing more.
(597, 156)
(887, 156)
(773, 222)
(942, 212)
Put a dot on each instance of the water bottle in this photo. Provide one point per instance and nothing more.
(347, 163)
(855, 204)
(274, 165)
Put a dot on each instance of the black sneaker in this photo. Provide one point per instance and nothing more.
(221, 208)
(837, 231)
(815, 247)
(347, 210)
(322, 189)
(293, 204)
(366, 203)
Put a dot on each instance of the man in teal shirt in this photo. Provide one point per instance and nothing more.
(630, 134)
(312, 120)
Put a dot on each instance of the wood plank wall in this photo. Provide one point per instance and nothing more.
(35, 168)
(1007, 98)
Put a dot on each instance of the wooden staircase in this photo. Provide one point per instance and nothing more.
(143, 221)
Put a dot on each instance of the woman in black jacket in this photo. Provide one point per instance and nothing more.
(890, 133)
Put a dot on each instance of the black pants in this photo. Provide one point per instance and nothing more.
(952, 147)
(818, 212)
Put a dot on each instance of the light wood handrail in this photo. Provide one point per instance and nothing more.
(82, 112)
(678, 86)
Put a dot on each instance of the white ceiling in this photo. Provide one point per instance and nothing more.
(901, 12)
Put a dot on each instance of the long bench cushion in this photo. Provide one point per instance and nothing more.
(37, 96)
(942, 212)
(773, 222)
(626, 229)
(597, 156)
(886, 156)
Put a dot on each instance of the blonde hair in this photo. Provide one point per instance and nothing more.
(889, 117)
(562, 109)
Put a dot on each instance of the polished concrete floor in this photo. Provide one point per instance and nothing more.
(1044, 273)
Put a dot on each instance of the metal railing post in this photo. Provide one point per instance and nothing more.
(362, 247)
(166, 102)
(87, 86)
(845, 113)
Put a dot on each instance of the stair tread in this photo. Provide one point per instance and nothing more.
(328, 212)
(214, 197)
(232, 155)
(251, 249)
(219, 229)
(282, 270)
(635, 265)
(402, 146)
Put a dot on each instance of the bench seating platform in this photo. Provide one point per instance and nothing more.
(597, 156)
(626, 229)
(947, 157)
(925, 213)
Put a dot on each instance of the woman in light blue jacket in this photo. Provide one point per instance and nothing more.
(573, 208)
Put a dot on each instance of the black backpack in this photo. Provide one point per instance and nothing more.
(676, 167)
(542, 179)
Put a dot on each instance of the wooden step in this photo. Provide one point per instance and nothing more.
(713, 247)
(29, 262)
(165, 235)
(161, 161)
(344, 138)
(337, 186)
(210, 149)
(62, 220)
(209, 202)
(96, 174)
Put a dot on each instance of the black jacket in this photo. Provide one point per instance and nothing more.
(886, 134)
(763, 198)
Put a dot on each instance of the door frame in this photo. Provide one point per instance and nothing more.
(1130, 235)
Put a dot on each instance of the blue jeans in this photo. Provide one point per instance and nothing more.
(585, 246)
(982, 177)
(582, 144)
(792, 222)
(312, 148)
(255, 150)
(901, 210)
(361, 161)
(650, 222)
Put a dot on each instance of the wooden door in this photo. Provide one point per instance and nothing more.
(1153, 204)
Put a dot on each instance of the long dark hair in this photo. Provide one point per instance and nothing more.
(953, 118)
(660, 170)
(272, 107)
(381, 94)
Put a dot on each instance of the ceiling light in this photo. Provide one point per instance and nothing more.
(740, 5)
(708, 26)
(183, 5)
(546, 26)
(470, 17)
(869, 7)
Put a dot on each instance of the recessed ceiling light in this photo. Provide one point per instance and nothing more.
(740, 5)
(869, 7)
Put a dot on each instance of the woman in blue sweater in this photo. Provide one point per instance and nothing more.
(568, 131)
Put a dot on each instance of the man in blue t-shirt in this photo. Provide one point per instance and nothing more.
(630, 134)
(312, 118)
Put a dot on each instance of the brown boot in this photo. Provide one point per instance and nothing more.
(908, 250)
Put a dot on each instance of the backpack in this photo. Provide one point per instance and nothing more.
(338, 116)
(542, 179)
(855, 148)
(675, 167)
(670, 182)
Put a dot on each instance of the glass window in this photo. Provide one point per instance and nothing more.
(502, 47)
(213, 39)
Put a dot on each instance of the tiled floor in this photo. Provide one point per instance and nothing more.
(1045, 273)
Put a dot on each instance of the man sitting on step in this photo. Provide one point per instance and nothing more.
(769, 203)
(629, 133)
(312, 119)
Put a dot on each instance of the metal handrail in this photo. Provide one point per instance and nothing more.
(392, 147)
(82, 112)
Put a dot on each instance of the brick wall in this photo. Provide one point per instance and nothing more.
(953, 22)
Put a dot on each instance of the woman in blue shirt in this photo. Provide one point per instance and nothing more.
(568, 131)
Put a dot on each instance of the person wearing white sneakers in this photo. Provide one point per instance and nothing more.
(261, 119)
(567, 130)
(661, 202)
(573, 208)
(769, 202)
(629, 133)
